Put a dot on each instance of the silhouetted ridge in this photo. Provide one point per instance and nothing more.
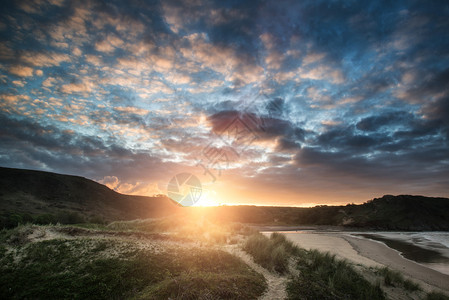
(403, 212)
(37, 192)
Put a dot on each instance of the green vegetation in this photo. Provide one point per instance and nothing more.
(317, 275)
(322, 276)
(271, 253)
(135, 260)
(193, 226)
(394, 278)
(206, 285)
(62, 217)
(117, 268)
(436, 296)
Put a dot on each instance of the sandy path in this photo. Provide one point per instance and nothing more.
(276, 283)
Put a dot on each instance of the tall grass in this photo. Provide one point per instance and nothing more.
(271, 253)
(394, 278)
(322, 276)
(437, 296)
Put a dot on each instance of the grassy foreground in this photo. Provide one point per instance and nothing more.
(174, 258)
(91, 264)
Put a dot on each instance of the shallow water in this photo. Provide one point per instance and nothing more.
(411, 251)
(430, 249)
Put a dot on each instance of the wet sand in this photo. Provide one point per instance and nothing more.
(370, 253)
(384, 255)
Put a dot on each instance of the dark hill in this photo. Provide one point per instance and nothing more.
(33, 193)
(403, 212)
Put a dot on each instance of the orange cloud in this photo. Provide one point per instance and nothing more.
(21, 71)
(221, 59)
(313, 57)
(109, 44)
(138, 188)
(44, 59)
(133, 110)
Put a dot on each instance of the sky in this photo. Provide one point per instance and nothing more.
(265, 102)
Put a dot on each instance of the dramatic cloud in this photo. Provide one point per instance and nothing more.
(267, 102)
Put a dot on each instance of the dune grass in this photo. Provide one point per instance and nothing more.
(396, 279)
(436, 296)
(322, 276)
(116, 268)
(317, 275)
(194, 227)
(271, 253)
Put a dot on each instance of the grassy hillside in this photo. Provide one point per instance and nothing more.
(46, 197)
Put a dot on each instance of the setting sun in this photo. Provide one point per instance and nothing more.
(208, 198)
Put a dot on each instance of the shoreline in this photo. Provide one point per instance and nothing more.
(384, 255)
(369, 253)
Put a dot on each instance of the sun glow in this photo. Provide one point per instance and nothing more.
(207, 199)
